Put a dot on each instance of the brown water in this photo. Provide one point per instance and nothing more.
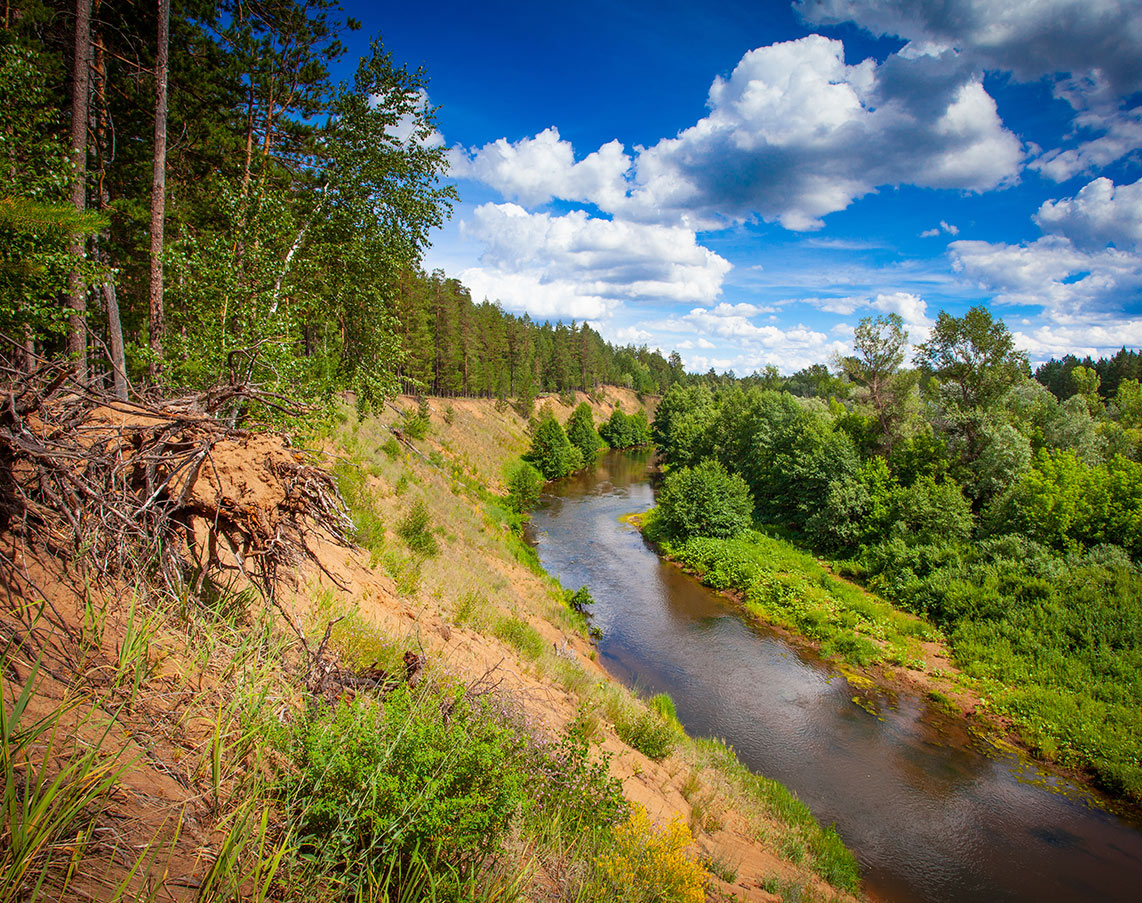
(931, 813)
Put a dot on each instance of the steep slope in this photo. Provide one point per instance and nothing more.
(170, 699)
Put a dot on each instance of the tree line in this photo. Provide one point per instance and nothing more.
(191, 196)
(451, 345)
(960, 488)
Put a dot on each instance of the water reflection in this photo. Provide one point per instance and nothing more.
(931, 813)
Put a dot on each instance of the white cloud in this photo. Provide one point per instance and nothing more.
(792, 135)
(536, 170)
(1094, 39)
(1072, 272)
(1090, 48)
(1097, 339)
(583, 266)
(943, 227)
(1053, 274)
(631, 335)
(1123, 134)
(1100, 214)
(911, 308)
(843, 306)
(542, 299)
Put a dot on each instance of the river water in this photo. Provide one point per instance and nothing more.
(932, 813)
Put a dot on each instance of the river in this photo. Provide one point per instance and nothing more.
(931, 812)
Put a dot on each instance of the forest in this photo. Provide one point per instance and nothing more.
(213, 207)
(961, 489)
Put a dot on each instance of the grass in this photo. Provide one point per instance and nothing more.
(54, 788)
(780, 584)
(488, 580)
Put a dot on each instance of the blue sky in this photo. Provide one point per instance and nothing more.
(744, 183)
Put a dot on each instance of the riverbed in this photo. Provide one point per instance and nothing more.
(931, 812)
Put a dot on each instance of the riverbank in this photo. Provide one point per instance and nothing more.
(880, 649)
(486, 586)
(217, 737)
(932, 812)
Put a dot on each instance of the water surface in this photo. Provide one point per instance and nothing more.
(931, 812)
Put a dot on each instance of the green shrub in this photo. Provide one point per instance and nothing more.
(551, 452)
(416, 530)
(704, 500)
(391, 448)
(376, 781)
(621, 431)
(644, 729)
(524, 485)
(581, 432)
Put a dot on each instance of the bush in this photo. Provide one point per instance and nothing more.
(647, 731)
(622, 431)
(650, 864)
(551, 452)
(581, 432)
(376, 782)
(524, 486)
(416, 530)
(704, 500)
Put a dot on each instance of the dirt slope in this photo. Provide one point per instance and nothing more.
(161, 679)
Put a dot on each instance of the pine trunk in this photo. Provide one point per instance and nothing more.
(77, 287)
(158, 194)
(110, 297)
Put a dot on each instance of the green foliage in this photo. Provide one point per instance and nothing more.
(401, 778)
(704, 500)
(622, 431)
(581, 432)
(417, 532)
(973, 357)
(681, 422)
(644, 729)
(551, 452)
(1057, 635)
(414, 424)
(1069, 505)
(524, 486)
(872, 506)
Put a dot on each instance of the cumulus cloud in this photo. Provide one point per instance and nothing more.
(1089, 48)
(536, 170)
(912, 308)
(1088, 263)
(578, 265)
(792, 135)
(795, 133)
(1052, 273)
(1098, 40)
(1122, 134)
(1100, 214)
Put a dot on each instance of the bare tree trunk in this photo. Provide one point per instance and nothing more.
(158, 193)
(110, 298)
(29, 350)
(77, 288)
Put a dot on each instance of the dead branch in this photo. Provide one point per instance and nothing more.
(119, 489)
